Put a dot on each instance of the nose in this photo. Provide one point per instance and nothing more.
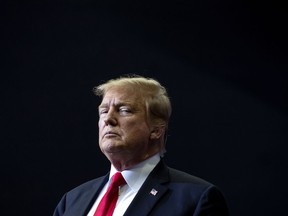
(110, 119)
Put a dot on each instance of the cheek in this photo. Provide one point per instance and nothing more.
(100, 127)
(139, 130)
(100, 124)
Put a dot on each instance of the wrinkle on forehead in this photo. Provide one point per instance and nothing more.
(122, 95)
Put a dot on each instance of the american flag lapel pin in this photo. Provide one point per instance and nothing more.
(153, 192)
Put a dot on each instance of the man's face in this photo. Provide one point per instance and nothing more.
(124, 132)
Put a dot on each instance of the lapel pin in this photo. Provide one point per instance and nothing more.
(153, 192)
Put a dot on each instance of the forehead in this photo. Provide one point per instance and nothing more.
(123, 95)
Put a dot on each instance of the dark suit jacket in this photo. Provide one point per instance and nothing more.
(177, 194)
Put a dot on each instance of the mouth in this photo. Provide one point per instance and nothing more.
(110, 134)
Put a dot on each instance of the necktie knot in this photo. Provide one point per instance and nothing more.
(117, 180)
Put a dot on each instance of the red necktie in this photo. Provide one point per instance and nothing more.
(107, 204)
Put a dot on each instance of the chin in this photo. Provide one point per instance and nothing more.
(110, 149)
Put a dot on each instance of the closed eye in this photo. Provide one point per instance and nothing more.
(103, 111)
(124, 110)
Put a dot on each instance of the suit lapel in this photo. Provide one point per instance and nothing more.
(83, 206)
(150, 192)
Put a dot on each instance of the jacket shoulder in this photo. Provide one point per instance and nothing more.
(184, 177)
(87, 186)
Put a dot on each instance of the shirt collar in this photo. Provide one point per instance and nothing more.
(136, 176)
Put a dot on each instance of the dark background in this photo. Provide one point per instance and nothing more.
(224, 64)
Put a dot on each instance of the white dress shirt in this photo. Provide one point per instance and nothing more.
(134, 178)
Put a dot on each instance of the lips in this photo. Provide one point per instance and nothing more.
(110, 133)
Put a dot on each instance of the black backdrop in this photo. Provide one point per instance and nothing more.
(224, 65)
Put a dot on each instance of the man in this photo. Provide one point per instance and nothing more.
(133, 120)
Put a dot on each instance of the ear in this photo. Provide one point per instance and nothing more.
(156, 132)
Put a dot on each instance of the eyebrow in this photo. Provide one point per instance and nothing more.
(116, 105)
